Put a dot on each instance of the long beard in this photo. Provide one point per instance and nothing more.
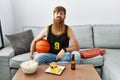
(58, 22)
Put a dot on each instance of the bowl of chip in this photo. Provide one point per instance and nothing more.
(29, 67)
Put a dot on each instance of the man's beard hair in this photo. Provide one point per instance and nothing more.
(58, 22)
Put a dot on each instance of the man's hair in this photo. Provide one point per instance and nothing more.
(60, 8)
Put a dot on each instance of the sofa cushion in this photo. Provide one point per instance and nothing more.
(83, 35)
(17, 60)
(21, 41)
(96, 61)
(112, 64)
(92, 52)
(107, 36)
(35, 29)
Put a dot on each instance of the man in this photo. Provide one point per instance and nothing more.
(58, 34)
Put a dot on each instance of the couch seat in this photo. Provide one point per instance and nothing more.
(17, 60)
(96, 61)
(111, 64)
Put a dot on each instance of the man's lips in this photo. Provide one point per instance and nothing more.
(59, 17)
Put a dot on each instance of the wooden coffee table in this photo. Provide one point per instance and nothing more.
(82, 72)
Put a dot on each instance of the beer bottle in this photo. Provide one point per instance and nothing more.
(73, 63)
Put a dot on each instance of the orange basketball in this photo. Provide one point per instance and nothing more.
(42, 46)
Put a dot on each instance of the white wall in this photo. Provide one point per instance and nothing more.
(39, 12)
(6, 18)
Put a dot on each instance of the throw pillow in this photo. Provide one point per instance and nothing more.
(101, 51)
(21, 41)
(91, 52)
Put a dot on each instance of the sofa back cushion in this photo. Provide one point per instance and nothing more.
(21, 41)
(107, 36)
(82, 33)
(35, 29)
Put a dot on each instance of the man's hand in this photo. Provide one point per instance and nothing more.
(60, 54)
(31, 56)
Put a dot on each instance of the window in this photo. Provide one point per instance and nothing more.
(1, 38)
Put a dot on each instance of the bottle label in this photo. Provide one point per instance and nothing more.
(73, 65)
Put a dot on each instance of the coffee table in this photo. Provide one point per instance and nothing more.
(82, 72)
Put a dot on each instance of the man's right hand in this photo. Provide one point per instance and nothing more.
(31, 56)
(60, 54)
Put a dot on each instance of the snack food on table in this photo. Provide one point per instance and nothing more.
(54, 67)
(29, 66)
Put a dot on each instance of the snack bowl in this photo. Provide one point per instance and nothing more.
(29, 67)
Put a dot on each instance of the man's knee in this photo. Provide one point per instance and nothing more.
(76, 53)
(77, 56)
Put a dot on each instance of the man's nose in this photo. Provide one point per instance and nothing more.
(58, 14)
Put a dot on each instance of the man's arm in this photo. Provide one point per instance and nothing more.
(74, 43)
(42, 34)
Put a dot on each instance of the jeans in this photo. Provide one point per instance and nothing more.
(46, 58)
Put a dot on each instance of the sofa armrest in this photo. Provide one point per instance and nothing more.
(5, 55)
(7, 52)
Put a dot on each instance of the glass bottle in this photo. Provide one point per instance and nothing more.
(73, 63)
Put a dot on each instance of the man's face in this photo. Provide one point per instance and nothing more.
(59, 16)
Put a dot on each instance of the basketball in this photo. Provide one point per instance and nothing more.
(42, 46)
